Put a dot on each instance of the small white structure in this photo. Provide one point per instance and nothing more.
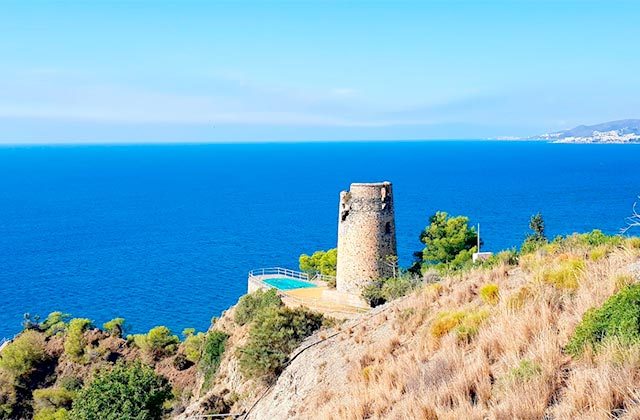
(480, 256)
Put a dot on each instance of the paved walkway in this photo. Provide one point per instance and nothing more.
(314, 298)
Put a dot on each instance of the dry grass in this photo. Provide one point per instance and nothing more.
(459, 350)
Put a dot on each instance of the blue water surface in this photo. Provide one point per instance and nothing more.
(288, 284)
(165, 234)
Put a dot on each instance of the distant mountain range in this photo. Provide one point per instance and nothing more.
(621, 131)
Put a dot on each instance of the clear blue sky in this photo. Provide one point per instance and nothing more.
(323, 70)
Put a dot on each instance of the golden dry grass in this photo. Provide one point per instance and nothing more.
(447, 353)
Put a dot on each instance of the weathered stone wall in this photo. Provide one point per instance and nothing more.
(366, 235)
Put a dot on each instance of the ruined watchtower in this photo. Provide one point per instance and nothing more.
(366, 236)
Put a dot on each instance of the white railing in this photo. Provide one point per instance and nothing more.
(279, 271)
(323, 277)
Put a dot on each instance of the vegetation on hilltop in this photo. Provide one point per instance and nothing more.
(126, 391)
(63, 368)
(548, 331)
(274, 334)
(449, 243)
(530, 337)
(275, 331)
(320, 262)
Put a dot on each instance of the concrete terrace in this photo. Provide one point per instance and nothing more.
(313, 294)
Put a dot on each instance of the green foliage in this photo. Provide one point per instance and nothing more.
(75, 342)
(395, 288)
(8, 394)
(52, 414)
(507, 257)
(531, 245)
(536, 224)
(249, 306)
(490, 293)
(449, 243)
(465, 324)
(537, 238)
(180, 362)
(591, 239)
(157, 343)
(116, 327)
(213, 349)
(20, 357)
(565, 275)
(618, 318)
(193, 344)
(56, 323)
(274, 334)
(320, 262)
(372, 293)
(526, 370)
(70, 383)
(128, 391)
(381, 291)
(47, 398)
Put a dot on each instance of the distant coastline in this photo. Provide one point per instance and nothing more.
(612, 132)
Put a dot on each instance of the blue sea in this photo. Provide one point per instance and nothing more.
(165, 234)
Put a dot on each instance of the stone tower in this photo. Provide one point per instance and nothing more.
(366, 236)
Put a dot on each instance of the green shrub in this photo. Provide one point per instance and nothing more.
(395, 288)
(532, 244)
(320, 262)
(507, 257)
(75, 342)
(8, 395)
(526, 370)
(537, 238)
(591, 239)
(384, 290)
(599, 252)
(180, 362)
(52, 414)
(449, 243)
(116, 327)
(465, 324)
(128, 391)
(249, 306)
(52, 398)
(193, 344)
(372, 293)
(55, 323)
(157, 343)
(70, 383)
(273, 336)
(212, 351)
(618, 318)
(490, 293)
(20, 357)
(565, 275)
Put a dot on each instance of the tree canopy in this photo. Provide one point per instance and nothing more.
(320, 262)
(449, 242)
(128, 391)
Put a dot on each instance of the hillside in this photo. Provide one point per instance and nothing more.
(454, 350)
(492, 341)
